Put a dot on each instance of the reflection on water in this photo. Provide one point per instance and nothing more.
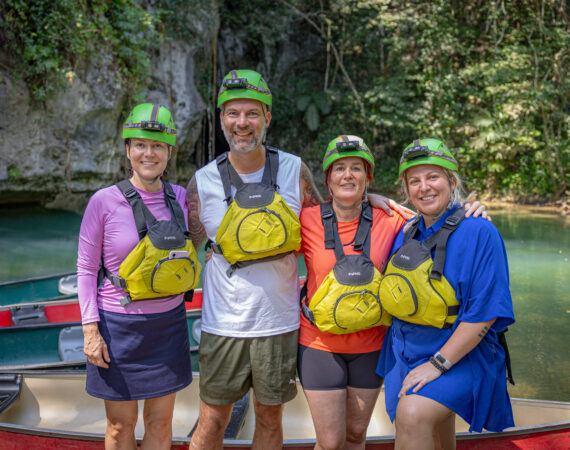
(38, 242)
(35, 242)
(538, 248)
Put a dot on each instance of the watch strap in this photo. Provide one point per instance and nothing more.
(442, 360)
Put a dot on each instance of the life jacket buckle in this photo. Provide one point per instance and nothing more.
(453, 220)
(127, 300)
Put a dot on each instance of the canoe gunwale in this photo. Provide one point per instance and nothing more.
(40, 278)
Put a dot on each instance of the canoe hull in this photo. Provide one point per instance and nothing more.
(43, 417)
(553, 438)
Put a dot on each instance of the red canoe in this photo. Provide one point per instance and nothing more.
(52, 411)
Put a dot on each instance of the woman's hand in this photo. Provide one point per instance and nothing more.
(419, 377)
(476, 209)
(94, 346)
(387, 205)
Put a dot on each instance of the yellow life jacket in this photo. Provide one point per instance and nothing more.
(413, 288)
(164, 262)
(347, 300)
(258, 224)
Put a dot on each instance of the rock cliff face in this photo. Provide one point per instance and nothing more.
(59, 152)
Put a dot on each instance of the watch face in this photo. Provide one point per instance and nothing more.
(440, 358)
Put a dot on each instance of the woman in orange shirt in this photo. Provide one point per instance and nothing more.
(337, 371)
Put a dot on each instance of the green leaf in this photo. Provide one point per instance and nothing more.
(302, 102)
(323, 102)
(312, 117)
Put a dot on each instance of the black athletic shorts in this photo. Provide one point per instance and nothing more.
(320, 370)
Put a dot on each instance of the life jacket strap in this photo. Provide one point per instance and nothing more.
(304, 305)
(412, 229)
(137, 205)
(361, 237)
(240, 264)
(503, 342)
(453, 310)
(175, 209)
(440, 239)
(115, 280)
(216, 248)
(222, 163)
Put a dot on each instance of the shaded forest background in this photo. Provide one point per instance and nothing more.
(488, 77)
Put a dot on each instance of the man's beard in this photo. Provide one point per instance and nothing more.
(256, 141)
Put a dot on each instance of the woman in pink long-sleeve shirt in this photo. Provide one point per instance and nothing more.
(141, 350)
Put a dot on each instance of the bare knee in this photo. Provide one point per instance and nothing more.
(409, 417)
(331, 441)
(212, 423)
(269, 419)
(158, 426)
(120, 427)
(356, 432)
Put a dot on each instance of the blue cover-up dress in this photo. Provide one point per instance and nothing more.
(475, 387)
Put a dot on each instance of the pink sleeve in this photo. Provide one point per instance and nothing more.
(89, 258)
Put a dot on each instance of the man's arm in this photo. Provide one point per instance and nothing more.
(195, 227)
(309, 194)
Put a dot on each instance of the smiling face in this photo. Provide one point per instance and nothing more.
(429, 190)
(148, 160)
(244, 124)
(347, 181)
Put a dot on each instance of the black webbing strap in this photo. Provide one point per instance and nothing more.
(230, 177)
(223, 163)
(503, 341)
(174, 207)
(270, 171)
(305, 304)
(439, 240)
(412, 229)
(137, 205)
(239, 264)
(328, 218)
(361, 238)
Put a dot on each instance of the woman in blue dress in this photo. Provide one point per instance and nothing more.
(436, 366)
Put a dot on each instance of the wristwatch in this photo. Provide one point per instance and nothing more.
(442, 360)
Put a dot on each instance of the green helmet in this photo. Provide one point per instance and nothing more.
(344, 146)
(427, 151)
(246, 84)
(150, 121)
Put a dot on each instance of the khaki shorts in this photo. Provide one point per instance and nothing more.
(230, 366)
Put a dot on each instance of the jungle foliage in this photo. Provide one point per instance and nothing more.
(489, 77)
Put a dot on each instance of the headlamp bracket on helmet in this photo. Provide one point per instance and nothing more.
(151, 125)
(347, 146)
(235, 83)
(419, 151)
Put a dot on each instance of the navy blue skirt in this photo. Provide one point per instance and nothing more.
(150, 356)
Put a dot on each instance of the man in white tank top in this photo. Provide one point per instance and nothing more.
(250, 320)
